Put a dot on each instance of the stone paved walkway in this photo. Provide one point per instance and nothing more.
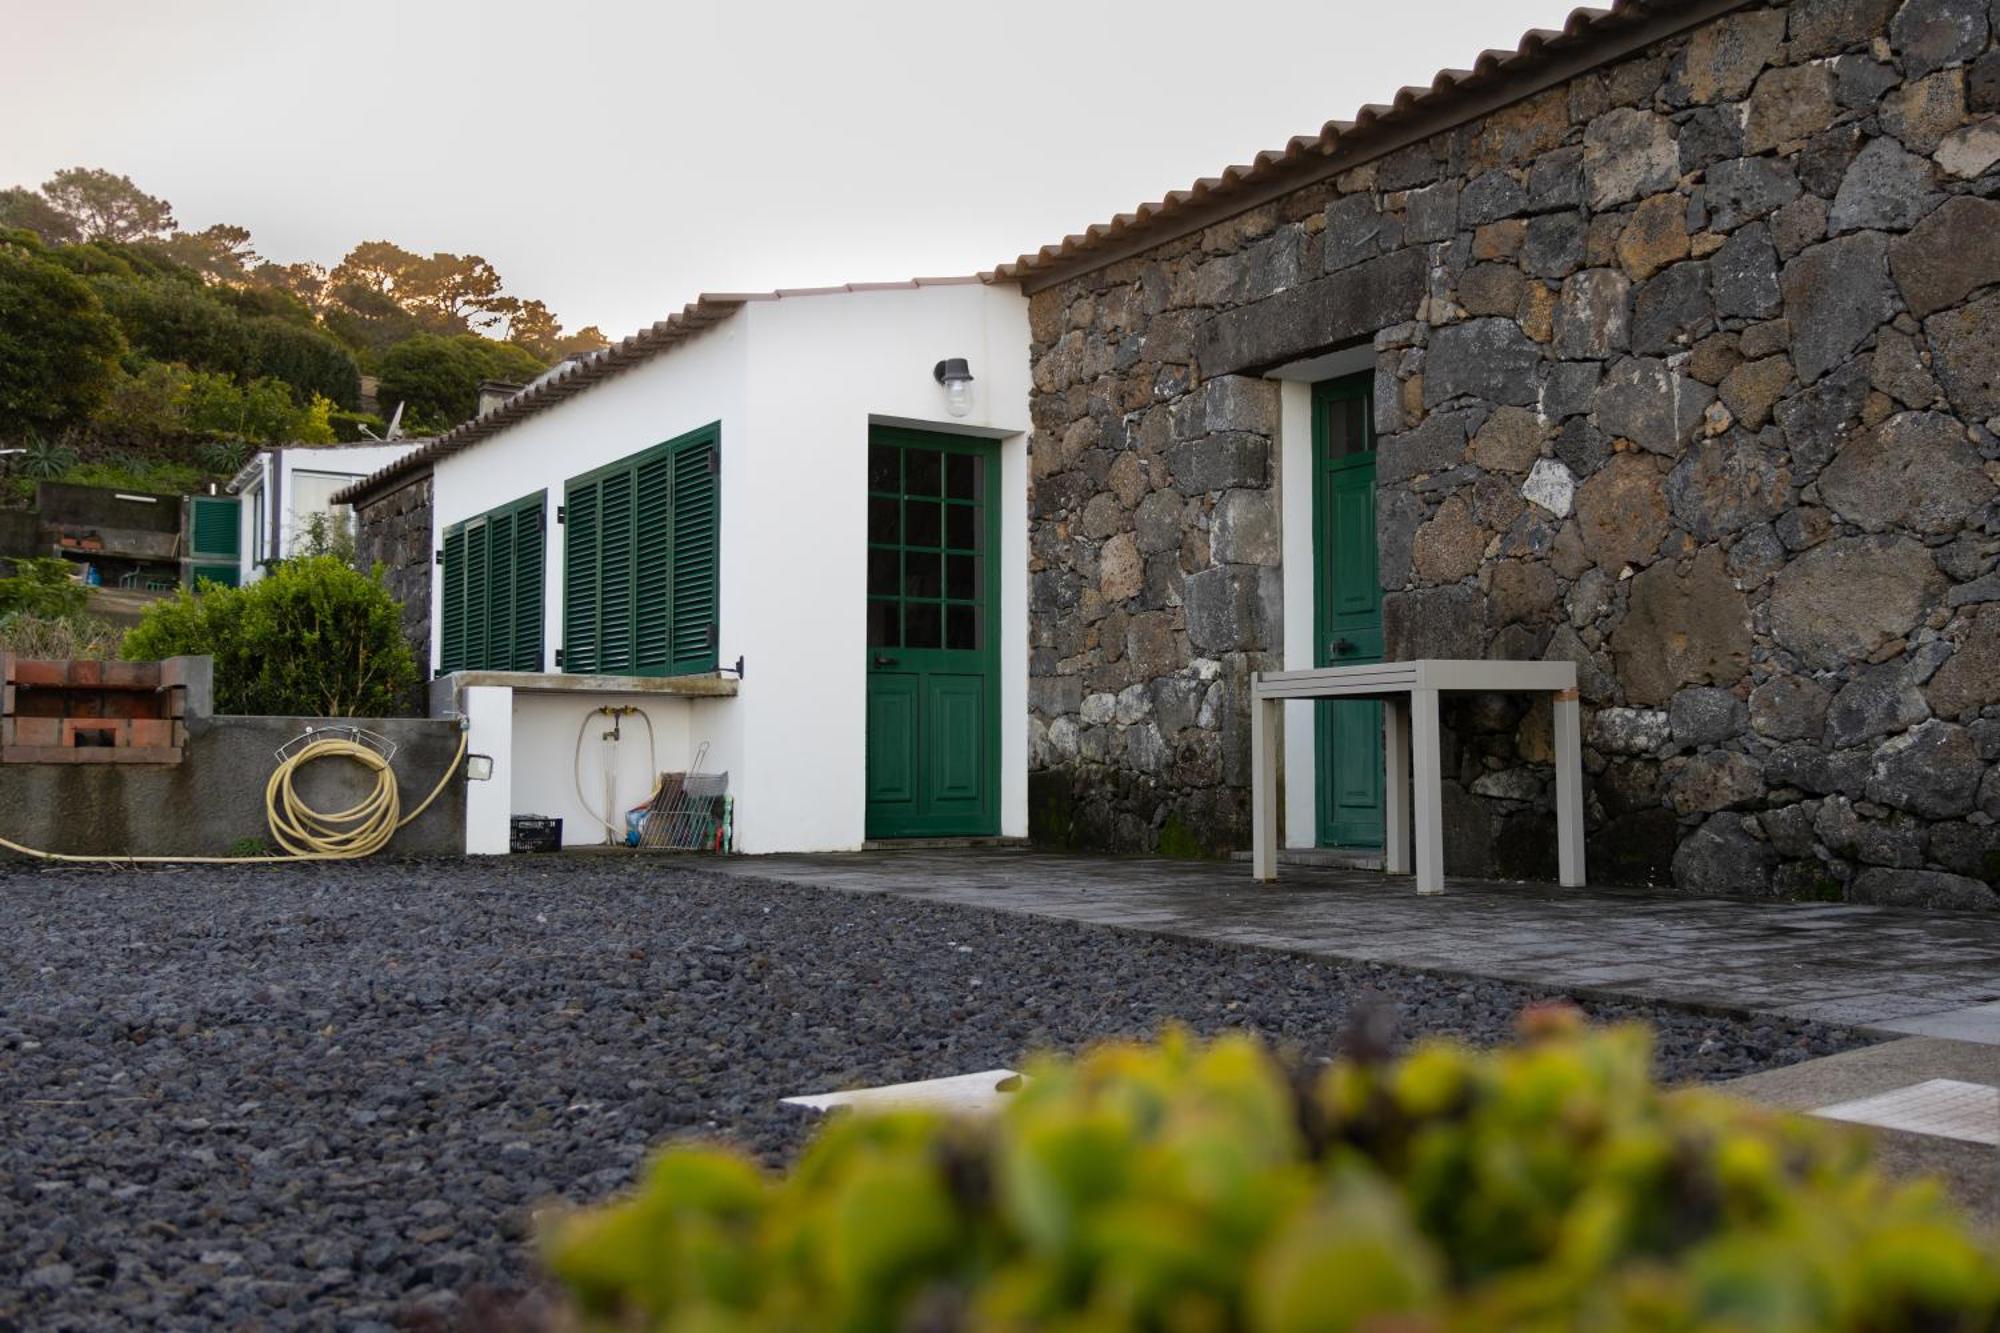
(1936, 973)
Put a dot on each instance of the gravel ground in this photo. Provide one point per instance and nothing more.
(331, 1096)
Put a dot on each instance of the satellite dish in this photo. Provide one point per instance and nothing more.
(395, 424)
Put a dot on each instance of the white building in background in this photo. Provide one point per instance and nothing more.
(280, 491)
(780, 536)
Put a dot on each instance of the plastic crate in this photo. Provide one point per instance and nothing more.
(534, 833)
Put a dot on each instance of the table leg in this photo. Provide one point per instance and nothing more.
(1396, 785)
(1425, 764)
(1569, 789)
(1265, 718)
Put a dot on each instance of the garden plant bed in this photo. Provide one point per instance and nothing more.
(331, 1095)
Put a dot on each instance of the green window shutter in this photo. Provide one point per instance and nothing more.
(639, 562)
(451, 616)
(500, 556)
(528, 563)
(614, 563)
(478, 573)
(213, 533)
(696, 510)
(580, 578)
(653, 562)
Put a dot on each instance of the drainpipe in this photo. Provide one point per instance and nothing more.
(274, 487)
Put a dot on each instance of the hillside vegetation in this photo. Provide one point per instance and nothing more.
(135, 353)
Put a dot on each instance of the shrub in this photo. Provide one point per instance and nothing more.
(58, 347)
(74, 637)
(42, 587)
(1206, 1186)
(313, 638)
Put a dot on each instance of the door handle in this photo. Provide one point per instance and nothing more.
(1342, 647)
(883, 661)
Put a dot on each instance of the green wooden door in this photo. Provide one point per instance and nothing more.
(1347, 612)
(933, 629)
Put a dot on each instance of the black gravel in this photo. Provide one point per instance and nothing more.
(331, 1096)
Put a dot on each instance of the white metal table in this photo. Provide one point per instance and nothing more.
(1411, 752)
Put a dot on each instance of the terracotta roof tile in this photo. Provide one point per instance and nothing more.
(1604, 32)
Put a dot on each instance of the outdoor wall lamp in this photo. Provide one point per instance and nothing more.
(956, 377)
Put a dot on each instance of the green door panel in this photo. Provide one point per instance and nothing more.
(933, 609)
(956, 709)
(892, 742)
(1347, 611)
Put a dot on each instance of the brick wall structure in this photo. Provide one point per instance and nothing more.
(1687, 369)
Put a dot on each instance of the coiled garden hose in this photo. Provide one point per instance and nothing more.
(306, 834)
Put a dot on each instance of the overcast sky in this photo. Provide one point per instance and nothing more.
(615, 159)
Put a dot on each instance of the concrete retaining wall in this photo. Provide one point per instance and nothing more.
(215, 796)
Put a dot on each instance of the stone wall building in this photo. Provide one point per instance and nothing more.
(1678, 340)
(393, 529)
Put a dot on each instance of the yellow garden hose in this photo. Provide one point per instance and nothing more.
(306, 834)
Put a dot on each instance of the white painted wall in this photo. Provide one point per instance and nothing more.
(795, 384)
(547, 728)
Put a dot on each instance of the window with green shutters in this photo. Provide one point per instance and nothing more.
(639, 561)
(490, 617)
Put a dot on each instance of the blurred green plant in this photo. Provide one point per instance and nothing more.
(45, 460)
(44, 586)
(313, 638)
(1207, 1186)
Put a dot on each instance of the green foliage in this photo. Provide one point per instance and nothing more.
(28, 211)
(313, 638)
(58, 347)
(326, 533)
(42, 587)
(248, 847)
(437, 378)
(45, 460)
(1206, 1186)
(73, 637)
(157, 476)
(347, 427)
(166, 401)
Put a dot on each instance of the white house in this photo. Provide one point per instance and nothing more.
(781, 535)
(281, 490)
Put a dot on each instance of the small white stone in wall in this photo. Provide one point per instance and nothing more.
(1098, 709)
(1134, 703)
(1550, 485)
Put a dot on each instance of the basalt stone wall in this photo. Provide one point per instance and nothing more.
(394, 530)
(1687, 370)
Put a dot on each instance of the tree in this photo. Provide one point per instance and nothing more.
(437, 378)
(58, 348)
(101, 204)
(27, 210)
(220, 253)
(307, 282)
(447, 293)
(534, 326)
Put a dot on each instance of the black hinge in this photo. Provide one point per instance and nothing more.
(558, 657)
(541, 520)
(714, 461)
(713, 637)
(562, 513)
(440, 557)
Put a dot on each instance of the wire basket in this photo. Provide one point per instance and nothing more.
(689, 811)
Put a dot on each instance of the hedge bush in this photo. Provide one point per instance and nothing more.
(1207, 1186)
(313, 638)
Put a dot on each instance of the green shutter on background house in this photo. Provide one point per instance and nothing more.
(695, 514)
(478, 573)
(640, 550)
(451, 616)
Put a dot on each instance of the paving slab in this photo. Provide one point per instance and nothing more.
(1893, 969)
(1971, 1171)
